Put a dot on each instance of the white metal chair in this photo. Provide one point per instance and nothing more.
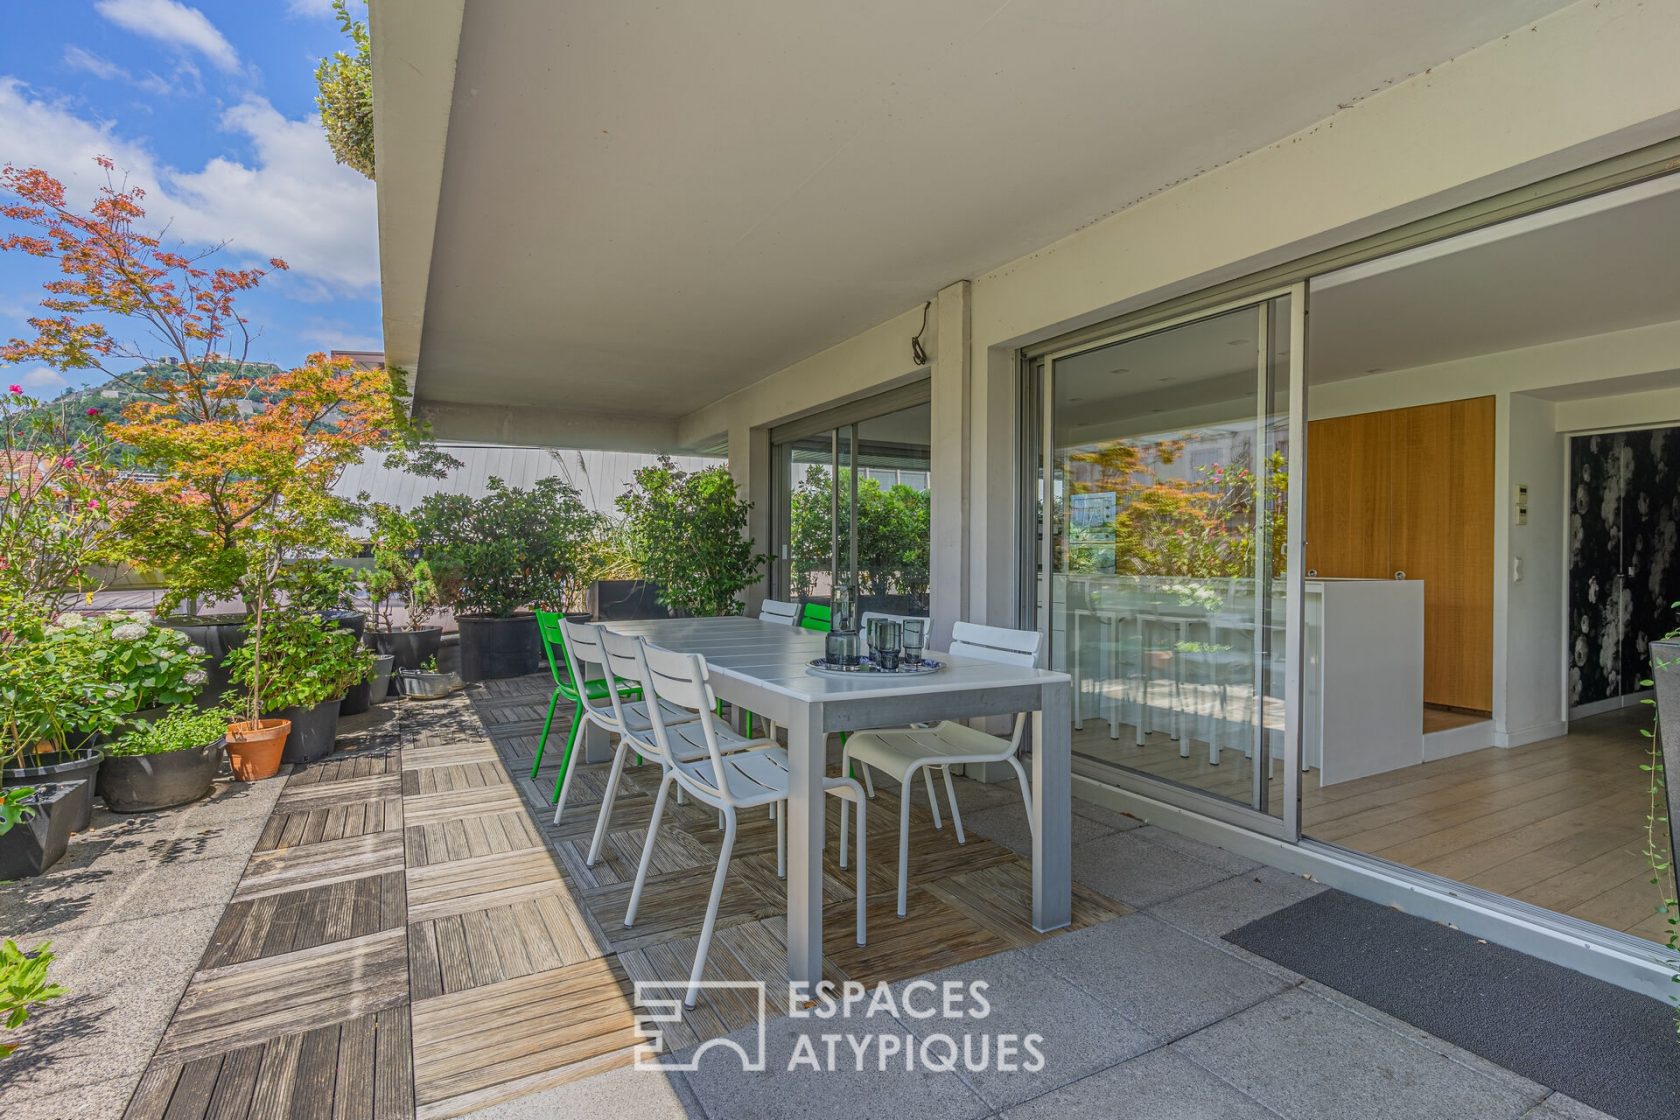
(779, 612)
(756, 773)
(903, 751)
(623, 662)
(626, 720)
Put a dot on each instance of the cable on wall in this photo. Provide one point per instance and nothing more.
(916, 350)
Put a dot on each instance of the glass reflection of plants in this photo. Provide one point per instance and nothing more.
(1201, 526)
(893, 536)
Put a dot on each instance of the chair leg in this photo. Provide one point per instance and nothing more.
(862, 888)
(904, 846)
(563, 780)
(933, 799)
(548, 721)
(1026, 795)
(951, 796)
(607, 800)
(779, 811)
(710, 923)
(647, 851)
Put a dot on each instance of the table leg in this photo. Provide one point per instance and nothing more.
(1052, 791)
(597, 744)
(807, 766)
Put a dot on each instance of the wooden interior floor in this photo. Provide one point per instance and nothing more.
(1559, 823)
(412, 937)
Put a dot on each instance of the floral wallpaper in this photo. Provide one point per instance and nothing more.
(1624, 557)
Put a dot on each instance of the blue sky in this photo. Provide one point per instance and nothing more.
(210, 105)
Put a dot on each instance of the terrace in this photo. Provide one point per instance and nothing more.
(1284, 793)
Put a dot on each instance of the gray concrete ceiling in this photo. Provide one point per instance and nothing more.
(647, 205)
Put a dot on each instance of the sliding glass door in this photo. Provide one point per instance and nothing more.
(852, 505)
(1173, 462)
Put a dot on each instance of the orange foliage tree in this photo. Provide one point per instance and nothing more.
(233, 462)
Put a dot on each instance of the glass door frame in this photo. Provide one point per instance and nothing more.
(1287, 826)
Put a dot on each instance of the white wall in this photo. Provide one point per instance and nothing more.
(1528, 640)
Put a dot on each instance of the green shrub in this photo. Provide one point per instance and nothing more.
(181, 729)
(688, 533)
(305, 661)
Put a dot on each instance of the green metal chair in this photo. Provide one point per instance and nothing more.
(553, 641)
(816, 616)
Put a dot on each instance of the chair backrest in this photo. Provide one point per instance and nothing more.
(995, 643)
(816, 616)
(779, 612)
(624, 670)
(582, 643)
(681, 679)
(554, 645)
(1004, 647)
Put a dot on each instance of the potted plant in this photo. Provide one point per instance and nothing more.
(426, 683)
(497, 555)
(399, 577)
(299, 675)
(324, 587)
(224, 449)
(618, 592)
(168, 762)
(153, 667)
(42, 695)
(687, 531)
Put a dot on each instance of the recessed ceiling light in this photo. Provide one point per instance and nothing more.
(1240, 342)
(1377, 369)
(1120, 369)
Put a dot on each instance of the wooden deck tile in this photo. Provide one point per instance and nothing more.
(237, 1005)
(352, 857)
(473, 1040)
(454, 804)
(476, 884)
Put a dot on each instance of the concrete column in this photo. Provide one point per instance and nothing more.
(994, 522)
(950, 468)
(749, 463)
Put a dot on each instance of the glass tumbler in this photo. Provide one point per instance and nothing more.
(883, 643)
(914, 641)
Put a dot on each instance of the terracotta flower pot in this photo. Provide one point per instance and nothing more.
(254, 748)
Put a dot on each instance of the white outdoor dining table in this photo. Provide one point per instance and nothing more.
(762, 668)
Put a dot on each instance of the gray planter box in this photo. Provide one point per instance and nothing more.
(1665, 673)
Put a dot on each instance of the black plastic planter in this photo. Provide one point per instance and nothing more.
(498, 648)
(621, 600)
(411, 648)
(62, 766)
(314, 731)
(34, 845)
(140, 783)
(353, 621)
(219, 635)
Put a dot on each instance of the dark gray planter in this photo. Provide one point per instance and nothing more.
(314, 731)
(34, 845)
(623, 600)
(499, 648)
(353, 621)
(380, 685)
(141, 783)
(411, 648)
(219, 635)
(62, 766)
(1665, 675)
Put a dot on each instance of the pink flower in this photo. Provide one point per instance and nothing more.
(93, 412)
(18, 389)
(93, 503)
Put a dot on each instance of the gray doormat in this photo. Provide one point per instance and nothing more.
(1603, 1045)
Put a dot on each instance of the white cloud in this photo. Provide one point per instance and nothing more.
(309, 7)
(169, 21)
(39, 380)
(292, 201)
(78, 59)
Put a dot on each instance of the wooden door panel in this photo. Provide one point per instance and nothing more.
(1443, 535)
(1350, 482)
